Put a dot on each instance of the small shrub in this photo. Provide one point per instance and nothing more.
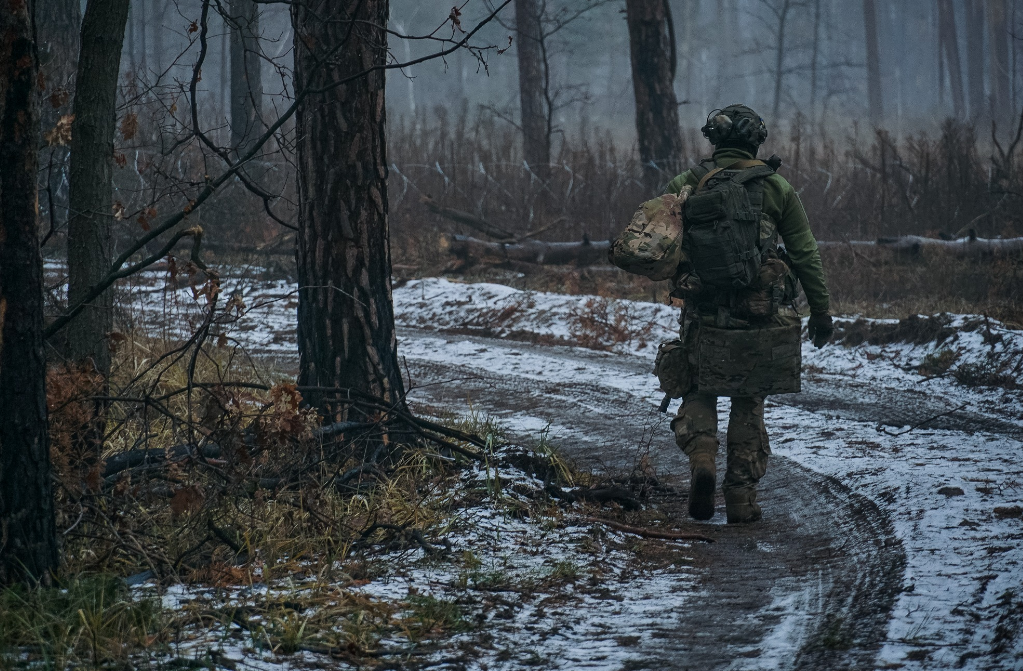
(985, 375)
(430, 615)
(937, 363)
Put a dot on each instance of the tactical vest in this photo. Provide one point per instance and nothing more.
(723, 236)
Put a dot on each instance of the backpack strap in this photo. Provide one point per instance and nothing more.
(702, 168)
(761, 170)
(706, 177)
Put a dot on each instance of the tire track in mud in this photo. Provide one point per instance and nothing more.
(811, 586)
(864, 402)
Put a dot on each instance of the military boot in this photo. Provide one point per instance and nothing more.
(741, 506)
(701, 486)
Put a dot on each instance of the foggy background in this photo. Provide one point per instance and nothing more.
(728, 51)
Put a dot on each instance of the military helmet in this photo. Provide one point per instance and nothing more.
(735, 126)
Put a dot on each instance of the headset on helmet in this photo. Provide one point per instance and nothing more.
(736, 123)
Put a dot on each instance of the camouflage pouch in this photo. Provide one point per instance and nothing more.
(672, 368)
(765, 294)
(651, 245)
(749, 362)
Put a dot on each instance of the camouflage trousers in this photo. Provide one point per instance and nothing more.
(696, 431)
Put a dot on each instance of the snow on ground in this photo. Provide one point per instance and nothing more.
(954, 495)
(552, 592)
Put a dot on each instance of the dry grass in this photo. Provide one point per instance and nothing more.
(237, 490)
(860, 187)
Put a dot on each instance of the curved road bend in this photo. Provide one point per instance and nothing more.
(810, 587)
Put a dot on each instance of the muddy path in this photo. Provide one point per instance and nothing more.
(811, 586)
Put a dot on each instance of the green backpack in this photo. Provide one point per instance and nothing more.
(722, 223)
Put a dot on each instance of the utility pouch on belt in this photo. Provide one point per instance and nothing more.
(748, 362)
(672, 368)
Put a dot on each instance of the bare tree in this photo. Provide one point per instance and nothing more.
(246, 79)
(815, 54)
(654, 62)
(975, 56)
(92, 164)
(779, 14)
(28, 542)
(875, 104)
(58, 23)
(534, 115)
(998, 50)
(948, 45)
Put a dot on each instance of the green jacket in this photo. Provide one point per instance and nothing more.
(782, 205)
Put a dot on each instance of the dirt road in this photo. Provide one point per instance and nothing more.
(812, 586)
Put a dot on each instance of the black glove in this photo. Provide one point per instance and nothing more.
(820, 329)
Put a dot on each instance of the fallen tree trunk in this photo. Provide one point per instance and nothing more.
(582, 253)
(485, 227)
(467, 219)
(915, 244)
(586, 252)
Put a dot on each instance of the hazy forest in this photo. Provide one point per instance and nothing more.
(311, 354)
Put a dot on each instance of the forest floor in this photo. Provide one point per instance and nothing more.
(892, 505)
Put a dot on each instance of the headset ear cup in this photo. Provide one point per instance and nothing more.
(742, 129)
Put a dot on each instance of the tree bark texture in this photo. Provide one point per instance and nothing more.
(532, 106)
(653, 52)
(998, 48)
(246, 78)
(346, 335)
(92, 166)
(949, 41)
(875, 104)
(975, 57)
(28, 538)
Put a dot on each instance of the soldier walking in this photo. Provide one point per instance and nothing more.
(739, 327)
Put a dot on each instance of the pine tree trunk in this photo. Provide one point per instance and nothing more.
(28, 538)
(975, 56)
(246, 79)
(654, 62)
(346, 335)
(875, 104)
(533, 108)
(998, 48)
(92, 165)
(950, 44)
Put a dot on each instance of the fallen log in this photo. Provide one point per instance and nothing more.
(582, 253)
(915, 244)
(470, 220)
(485, 227)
